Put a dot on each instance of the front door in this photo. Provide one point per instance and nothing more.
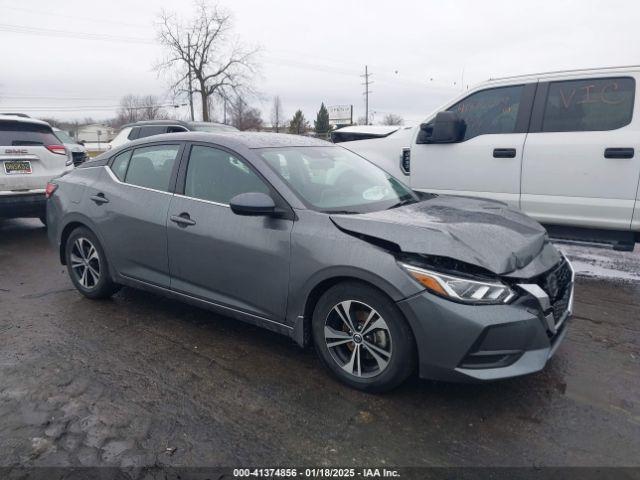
(487, 162)
(581, 159)
(237, 262)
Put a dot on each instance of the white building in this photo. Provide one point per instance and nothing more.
(96, 133)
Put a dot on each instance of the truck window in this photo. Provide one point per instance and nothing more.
(490, 111)
(594, 104)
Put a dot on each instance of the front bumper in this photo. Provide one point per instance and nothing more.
(472, 343)
(28, 204)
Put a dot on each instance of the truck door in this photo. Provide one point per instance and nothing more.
(581, 161)
(487, 161)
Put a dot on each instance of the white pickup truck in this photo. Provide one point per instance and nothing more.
(561, 146)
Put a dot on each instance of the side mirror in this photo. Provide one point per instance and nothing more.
(253, 204)
(447, 127)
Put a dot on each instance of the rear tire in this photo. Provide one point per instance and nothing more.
(87, 265)
(362, 337)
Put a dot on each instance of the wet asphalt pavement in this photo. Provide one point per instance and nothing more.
(142, 380)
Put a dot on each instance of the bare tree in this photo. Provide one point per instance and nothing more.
(128, 111)
(134, 108)
(204, 49)
(244, 117)
(276, 114)
(392, 119)
(151, 109)
(54, 122)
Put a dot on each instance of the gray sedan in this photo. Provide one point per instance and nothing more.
(312, 241)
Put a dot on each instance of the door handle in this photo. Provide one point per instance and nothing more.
(618, 153)
(184, 220)
(504, 153)
(99, 199)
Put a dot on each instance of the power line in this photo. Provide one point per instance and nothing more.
(87, 107)
(46, 97)
(49, 13)
(49, 32)
(315, 66)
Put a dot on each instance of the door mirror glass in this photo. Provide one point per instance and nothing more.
(447, 127)
(253, 204)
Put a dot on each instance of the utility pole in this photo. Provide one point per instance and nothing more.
(224, 110)
(189, 75)
(366, 93)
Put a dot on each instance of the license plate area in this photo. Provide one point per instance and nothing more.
(17, 167)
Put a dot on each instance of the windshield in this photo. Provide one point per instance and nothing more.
(63, 136)
(211, 127)
(333, 179)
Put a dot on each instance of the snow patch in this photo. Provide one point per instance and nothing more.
(605, 263)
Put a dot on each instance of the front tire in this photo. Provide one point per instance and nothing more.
(87, 265)
(362, 337)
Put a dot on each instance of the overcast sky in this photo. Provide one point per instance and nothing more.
(419, 52)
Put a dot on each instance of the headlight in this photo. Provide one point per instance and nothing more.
(459, 288)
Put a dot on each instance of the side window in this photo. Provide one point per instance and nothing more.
(151, 167)
(152, 130)
(133, 133)
(589, 105)
(176, 129)
(490, 111)
(120, 164)
(218, 176)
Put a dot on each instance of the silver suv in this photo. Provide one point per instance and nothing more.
(30, 156)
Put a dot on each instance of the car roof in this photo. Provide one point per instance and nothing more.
(238, 139)
(232, 140)
(21, 119)
(142, 123)
(545, 76)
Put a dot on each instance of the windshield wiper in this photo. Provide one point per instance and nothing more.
(340, 212)
(406, 201)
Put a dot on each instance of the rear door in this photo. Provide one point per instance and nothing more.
(581, 161)
(30, 156)
(487, 162)
(130, 204)
(237, 262)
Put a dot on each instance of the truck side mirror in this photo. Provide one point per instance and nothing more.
(447, 127)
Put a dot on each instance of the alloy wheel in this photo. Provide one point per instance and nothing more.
(85, 262)
(358, 339)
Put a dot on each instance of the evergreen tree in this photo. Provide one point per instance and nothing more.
(298, 124)
(321, 124)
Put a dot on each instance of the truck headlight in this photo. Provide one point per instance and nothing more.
(459, 288)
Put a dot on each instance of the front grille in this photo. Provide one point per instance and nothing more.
(79, 158)
(557, 284)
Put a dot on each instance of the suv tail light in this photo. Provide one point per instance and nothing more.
(59, 149)
(51, 187)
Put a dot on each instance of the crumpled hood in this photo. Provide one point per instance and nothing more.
(483, 233)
